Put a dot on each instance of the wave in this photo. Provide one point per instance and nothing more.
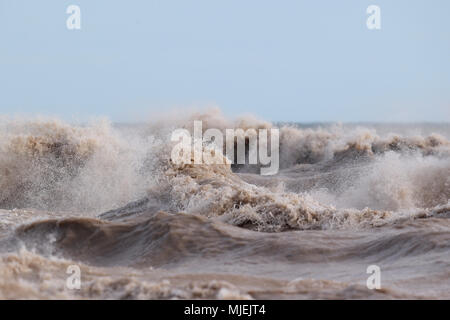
(216, 192)
(51, 165)
(331, 177)
(107, 198)
(26, 275)
(172, 241)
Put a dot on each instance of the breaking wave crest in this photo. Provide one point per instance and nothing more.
(331, 177)
(49, 164)
(107, 198)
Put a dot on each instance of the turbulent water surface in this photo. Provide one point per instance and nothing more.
(107, 198)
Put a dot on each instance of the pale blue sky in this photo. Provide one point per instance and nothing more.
(280, 60)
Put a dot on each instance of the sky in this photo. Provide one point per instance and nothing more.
(303, 61)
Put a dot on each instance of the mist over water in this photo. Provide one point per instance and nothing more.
(107, 197)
